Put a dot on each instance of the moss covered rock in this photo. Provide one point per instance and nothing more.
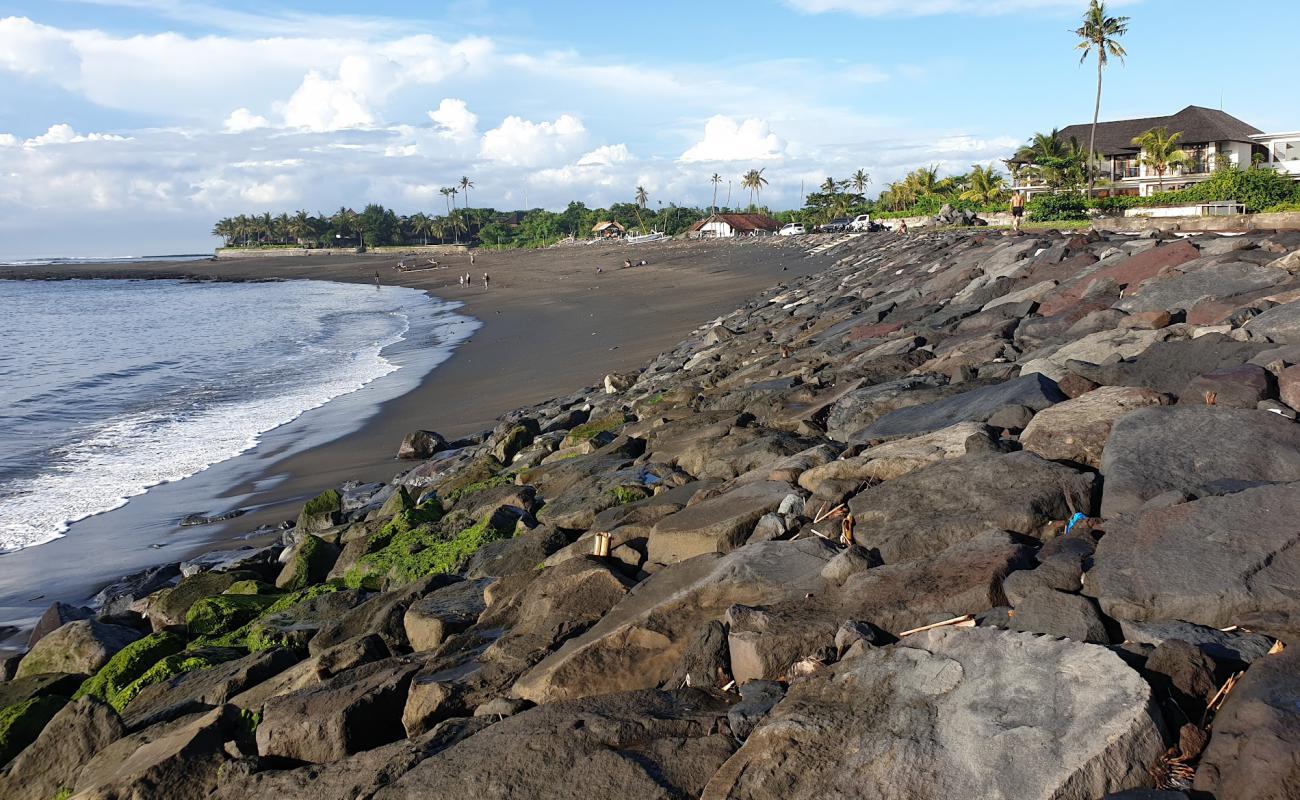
(223, 613)
(481, 469)
(171, 666)
(251, 587)
(587, 430)
(321, 512)
(81, 647)
(169, 607)
(128, 665)
(20, 724)
(441, 548)
(294, 626)
(309, 562)
(396, 503)
(514, 440)
(255, 636)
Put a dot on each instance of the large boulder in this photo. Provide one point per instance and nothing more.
(649, 744)
(354, 711)
(168, 608)
(179, 760)
(70, 739)
(1254, 750)
(421, 444)
(898, 457)
(82, 646)
(1185, 448)
(1076, 430)
(1213, 561)
(717, 525)
(442, 612)
(954, 713)
(382, 614)
(55, 617)
(639, 643)
(1034, 391)
(1279, 323)
(923, 512)
(203, 689)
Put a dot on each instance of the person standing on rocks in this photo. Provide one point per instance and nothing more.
(1017, 210)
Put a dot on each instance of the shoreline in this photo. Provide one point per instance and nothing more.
(549, 325)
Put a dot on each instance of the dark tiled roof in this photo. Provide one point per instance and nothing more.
(1197, 125)
(743, 223)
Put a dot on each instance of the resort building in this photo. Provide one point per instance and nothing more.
(725, 225)
(607, 229)
(1207, 134)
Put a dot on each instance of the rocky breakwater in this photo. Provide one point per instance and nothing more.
(961, 516)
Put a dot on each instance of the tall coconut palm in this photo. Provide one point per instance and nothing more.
(983, 185)
(420, 225)
(1160, 152)
(465, 185)
(860, 180)
(300, 226)
(715, 179)
(1100, 33)
(754, 182)
(828, 186)
(642, 197)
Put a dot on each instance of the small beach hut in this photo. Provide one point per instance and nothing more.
(727, 225)
(607, 230)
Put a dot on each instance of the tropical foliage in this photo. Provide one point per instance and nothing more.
(1099, 34)
(1160, 152)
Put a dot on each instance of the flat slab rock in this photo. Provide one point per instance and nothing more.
(954, 713)
(1182, 448)
(1035, 391)
(1212, 561)
(647, 744)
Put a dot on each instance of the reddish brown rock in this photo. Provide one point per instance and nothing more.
(1288, 386)
(873, 331)
(1146, 320)
(1125, 274)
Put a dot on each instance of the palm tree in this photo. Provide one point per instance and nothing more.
(828, 186)
(299, 226)
(641, 196)
(1160, 152)
(466, 184)
(1101, 33)
(421, 225)
(984, 185)
(754, 182)
(715, 180)
(860, 180)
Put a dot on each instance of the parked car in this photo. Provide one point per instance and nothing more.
(834, 226)
(861, 222)
(792, 229)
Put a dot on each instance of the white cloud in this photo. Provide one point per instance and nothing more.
(918, 8)
(8, 140)
(606, 155)
(62, 133)
(521, 142)
(454, 120)
(241, 119)
(326, 104)
(728, 140)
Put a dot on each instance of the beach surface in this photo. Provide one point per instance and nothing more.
(551, 324)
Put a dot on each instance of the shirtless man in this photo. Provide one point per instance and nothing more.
(1017, 210)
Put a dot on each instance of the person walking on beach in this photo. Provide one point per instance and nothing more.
(471, 258)
(485, 280)
(1017, 210)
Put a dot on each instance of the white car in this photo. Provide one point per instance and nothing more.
(792, 229)
(861, 222)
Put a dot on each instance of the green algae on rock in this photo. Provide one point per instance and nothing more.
(127, 665)
(21, 723)
(321, 512)
(223, 613)
(403, 553)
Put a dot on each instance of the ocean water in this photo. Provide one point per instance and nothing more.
(110, 387)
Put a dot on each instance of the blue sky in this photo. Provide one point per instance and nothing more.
(128, 126)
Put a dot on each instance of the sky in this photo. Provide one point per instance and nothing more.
(127, 127)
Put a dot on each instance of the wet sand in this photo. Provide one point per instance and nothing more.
(551, 325)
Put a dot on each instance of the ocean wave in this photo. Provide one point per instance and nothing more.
(108, 462)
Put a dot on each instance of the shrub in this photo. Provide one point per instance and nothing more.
(1064, 206)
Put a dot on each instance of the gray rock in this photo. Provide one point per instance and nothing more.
(1059, 614)
(1212, 561)
(355, 711)
(56, 616)
(442, 612)
(1034, 391)
(756, 699)
(1254, 749)
(421, 445)
(1278, 324)
(382, 614)
(80, 647)
(51, 763)
(641, 744)
(201, 690)
(1235, 645)
(716, 525)
(951, 713)
(922, 512)
(1162, 448)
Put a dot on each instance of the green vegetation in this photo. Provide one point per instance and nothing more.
(21, 723)
(1160, 152)
(311, 562)
(169, 667)
(63, 794)
(587, 430)
(223, 613)
(627, 494)
(1060, 206)
(478, 486)
(253, 636)
(324, 503)
(404, 555)
(127, 665)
